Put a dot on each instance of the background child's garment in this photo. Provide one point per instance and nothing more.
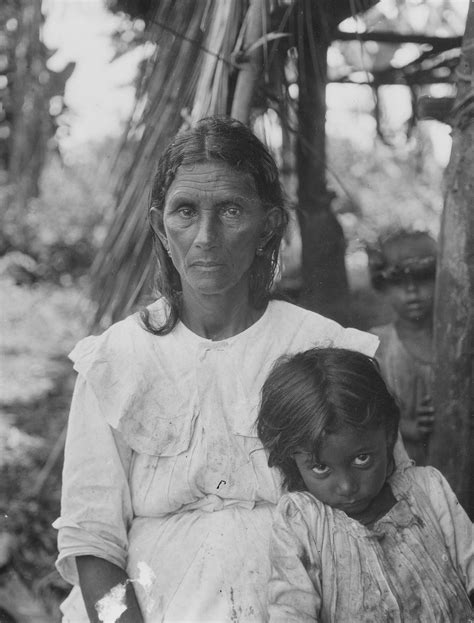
(410, 380)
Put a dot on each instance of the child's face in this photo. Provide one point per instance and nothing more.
(411, 299)
(412, 295)
(351, 472)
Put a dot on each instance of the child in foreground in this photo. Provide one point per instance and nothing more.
(356, 539)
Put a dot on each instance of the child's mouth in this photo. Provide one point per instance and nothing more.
(355, 506)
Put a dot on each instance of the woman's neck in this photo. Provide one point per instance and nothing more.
(219, 316)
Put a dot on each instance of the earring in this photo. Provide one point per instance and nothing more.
(259, 251)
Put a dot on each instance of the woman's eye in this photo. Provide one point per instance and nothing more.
(320, 469)
(232, 211)
(362, 460)
(185, 212)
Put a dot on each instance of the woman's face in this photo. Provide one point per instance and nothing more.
(212, 223)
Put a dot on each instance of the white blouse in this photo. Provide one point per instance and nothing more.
(164, 474)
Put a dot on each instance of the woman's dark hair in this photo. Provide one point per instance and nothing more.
(318, 392)
(220, 139)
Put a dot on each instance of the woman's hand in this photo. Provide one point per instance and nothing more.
(96, 578)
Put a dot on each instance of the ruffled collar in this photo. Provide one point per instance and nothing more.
(402, 514)
(256, 327)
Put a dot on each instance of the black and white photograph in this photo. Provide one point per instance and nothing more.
(236, 311)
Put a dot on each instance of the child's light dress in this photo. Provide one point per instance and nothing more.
(409, 378)
(416, 565)
(164, 474)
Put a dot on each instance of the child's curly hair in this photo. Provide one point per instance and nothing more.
(318, 392)
(421, 264)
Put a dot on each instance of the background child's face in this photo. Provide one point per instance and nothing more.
(351, 472)
(412, 299)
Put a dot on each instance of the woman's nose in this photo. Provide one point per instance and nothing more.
(206, 234)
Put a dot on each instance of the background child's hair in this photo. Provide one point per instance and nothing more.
(317, 392)
(381, 269)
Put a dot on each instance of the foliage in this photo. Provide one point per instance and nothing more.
(38, 326)
(31, 97)
(45, 311)
(383, 188)
(62, 228)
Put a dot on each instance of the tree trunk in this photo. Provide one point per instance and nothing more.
(451, 442)
(252, 64)
(325, 286)
(30, 115)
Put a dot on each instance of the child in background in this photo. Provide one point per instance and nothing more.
(403, 269)
(356, 538)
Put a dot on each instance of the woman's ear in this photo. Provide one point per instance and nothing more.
(273, 222)
(156, 221)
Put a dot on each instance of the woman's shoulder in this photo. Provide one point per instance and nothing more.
(284, 311)
(134, 375)
(307, 329)
(121, 339)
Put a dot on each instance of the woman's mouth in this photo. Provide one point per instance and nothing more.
(206, 264)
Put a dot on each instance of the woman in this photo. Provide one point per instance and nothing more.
(167, 495)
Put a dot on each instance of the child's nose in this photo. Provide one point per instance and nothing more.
(410, 285)
(347, 485)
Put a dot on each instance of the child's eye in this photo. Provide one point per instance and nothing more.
(362, 460)
(320, 469)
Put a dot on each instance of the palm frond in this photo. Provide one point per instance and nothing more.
(121, 270)
(201, 47)
(190, 70)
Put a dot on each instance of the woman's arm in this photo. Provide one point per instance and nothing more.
(96, 509)
(96, 578)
